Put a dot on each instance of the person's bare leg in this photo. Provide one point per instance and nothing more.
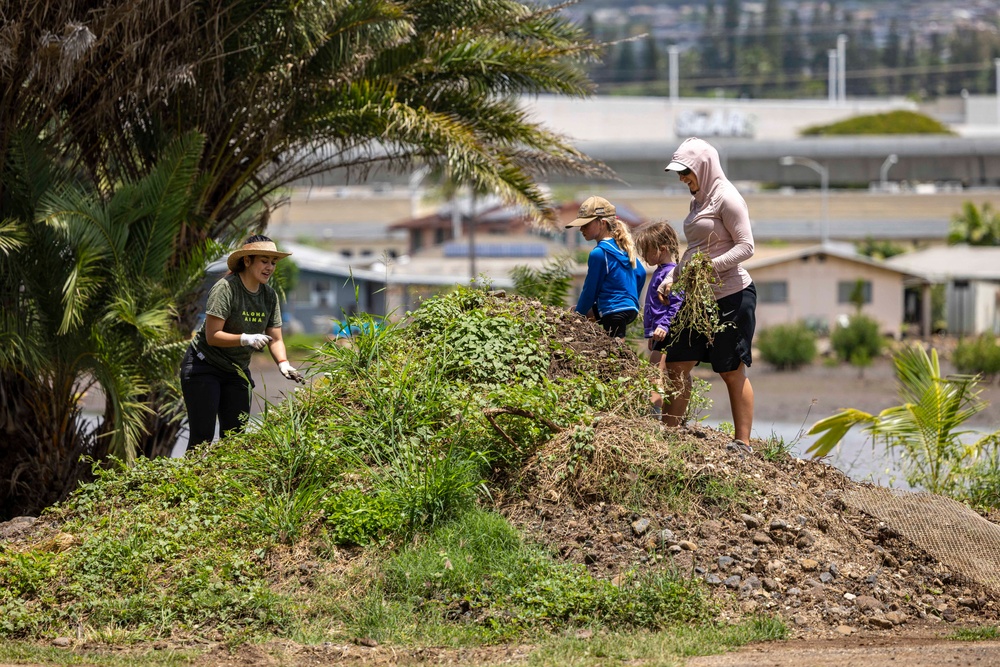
(740, 401)
(678, 391)
(656, 396)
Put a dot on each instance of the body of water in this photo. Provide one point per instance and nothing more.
(856, 455)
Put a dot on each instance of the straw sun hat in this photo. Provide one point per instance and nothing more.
(266, 248)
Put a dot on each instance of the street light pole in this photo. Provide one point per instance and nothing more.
(824, 184)
(996, 64)
(884, 172)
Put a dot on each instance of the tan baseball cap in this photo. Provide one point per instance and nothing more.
(592, 208)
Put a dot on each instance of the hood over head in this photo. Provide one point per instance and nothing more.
(703, 159)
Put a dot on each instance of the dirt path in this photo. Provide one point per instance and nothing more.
(918, 649)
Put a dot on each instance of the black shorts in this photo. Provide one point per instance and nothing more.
(731, 345)
(659, 345)
(616, 323)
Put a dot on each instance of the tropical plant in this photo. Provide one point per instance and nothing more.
(89, 295)
(279, 91)
(549, 284)
(975, 226)
(285, 90)
(926, 430)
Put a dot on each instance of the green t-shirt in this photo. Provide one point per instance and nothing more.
(244, 312)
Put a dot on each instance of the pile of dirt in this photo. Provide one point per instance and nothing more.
(784, 541)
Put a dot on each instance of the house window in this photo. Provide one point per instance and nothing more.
(846, 289)
(773, 291)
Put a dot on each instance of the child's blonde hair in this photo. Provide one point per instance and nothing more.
(653, 236)
(623, 237)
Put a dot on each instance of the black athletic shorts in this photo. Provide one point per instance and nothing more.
(616, 323)
(731, 345)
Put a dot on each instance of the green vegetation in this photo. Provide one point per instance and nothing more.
(979, 355)
(363, 506)
(927, 431)
(699, 312)
(131, 184)
(892, 122)
(776, 449)
(858, 342)
(550, 284)
(787, 346)
(876, 249)
(975, 226)
(984, 633)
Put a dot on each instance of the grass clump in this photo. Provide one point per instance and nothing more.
(980, 634)
(479, 570)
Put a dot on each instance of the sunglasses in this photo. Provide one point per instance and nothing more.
(684, 172)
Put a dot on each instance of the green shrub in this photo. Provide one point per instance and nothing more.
(978, 355)
(859, 342)
(893, 122)
(787, 346)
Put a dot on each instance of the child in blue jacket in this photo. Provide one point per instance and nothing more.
(614, 276)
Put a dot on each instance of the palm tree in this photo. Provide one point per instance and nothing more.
(285, 90)
(975, 226)
(926, 430)
(89, 300)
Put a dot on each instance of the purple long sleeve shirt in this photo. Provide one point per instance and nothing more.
(656, 313)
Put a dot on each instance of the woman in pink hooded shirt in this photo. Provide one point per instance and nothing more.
(717, 225)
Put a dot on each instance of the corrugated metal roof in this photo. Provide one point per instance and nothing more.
(947, 263)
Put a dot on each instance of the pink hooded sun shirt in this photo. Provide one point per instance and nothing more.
(718, 223)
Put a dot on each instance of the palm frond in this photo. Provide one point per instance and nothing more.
(834, 428)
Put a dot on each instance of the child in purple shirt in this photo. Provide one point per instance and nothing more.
(658, 245)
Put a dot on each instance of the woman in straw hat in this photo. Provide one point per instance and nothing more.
(242, 316)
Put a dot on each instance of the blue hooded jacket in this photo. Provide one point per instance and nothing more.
(612, 285)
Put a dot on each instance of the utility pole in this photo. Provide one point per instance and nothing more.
(831, 84)
(673, 51)
(842, 67)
